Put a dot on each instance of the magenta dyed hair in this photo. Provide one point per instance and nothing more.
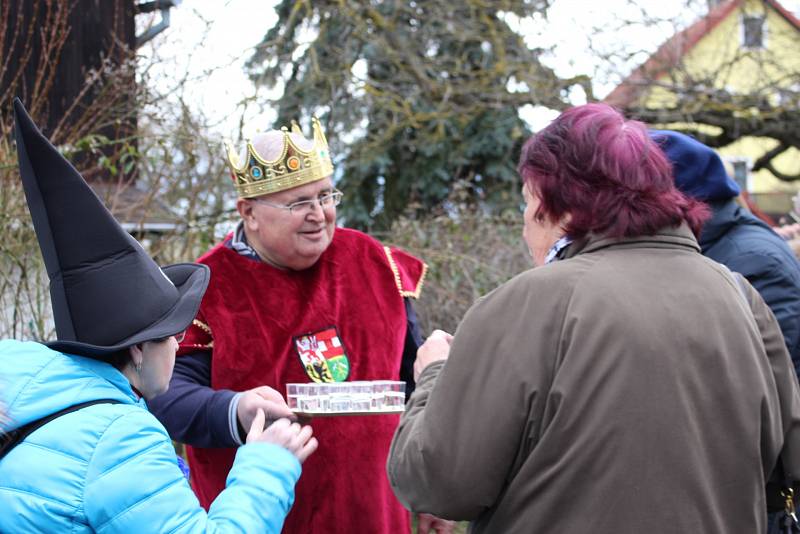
(607, 174)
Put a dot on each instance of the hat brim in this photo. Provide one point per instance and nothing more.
(190, 279)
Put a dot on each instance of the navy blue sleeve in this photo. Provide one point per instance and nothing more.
(412, 343)
(190, 410)
(777, 279)
(748, 246)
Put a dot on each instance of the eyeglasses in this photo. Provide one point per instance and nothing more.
(327, 200)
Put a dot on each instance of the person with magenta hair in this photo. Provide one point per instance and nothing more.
(626, 384)
(79, 451)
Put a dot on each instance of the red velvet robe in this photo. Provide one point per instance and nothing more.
(251, 318)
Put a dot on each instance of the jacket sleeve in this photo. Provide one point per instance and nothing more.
(470, 420)
(412, 343)
(775, 277)
(134, 484)
(191, 410)
(785, 381)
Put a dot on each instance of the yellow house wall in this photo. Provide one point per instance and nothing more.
(719, 60)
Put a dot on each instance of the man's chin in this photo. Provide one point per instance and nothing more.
(309, 255)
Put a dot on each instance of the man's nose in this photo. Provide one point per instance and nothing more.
(316, 210)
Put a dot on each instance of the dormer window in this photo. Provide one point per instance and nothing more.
(753, 31)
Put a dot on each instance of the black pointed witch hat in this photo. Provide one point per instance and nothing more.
(107, 293)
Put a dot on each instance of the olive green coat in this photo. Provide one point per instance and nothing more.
(627, 388)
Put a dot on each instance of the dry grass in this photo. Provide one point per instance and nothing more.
(468, 255)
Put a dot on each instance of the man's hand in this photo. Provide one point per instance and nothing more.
(262, 398)
(435, 348)
(427, 524)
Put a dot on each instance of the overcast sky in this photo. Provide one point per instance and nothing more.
(208, 42)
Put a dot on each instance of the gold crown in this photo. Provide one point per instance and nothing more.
(293, 166)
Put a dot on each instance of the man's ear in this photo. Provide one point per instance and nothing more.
(137, 354)
(245, 209)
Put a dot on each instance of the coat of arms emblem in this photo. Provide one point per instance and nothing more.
(323, 356)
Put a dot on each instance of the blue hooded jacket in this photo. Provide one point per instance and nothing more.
(747, 245)
(733, 236)
(112, 467)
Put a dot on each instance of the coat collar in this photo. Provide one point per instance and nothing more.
(726, 215)
(675, 237)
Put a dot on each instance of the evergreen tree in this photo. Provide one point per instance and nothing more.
(419, 98)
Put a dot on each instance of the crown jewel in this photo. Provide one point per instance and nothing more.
(293, 167)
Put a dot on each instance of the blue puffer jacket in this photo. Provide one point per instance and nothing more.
(112, 467)
(745, 244)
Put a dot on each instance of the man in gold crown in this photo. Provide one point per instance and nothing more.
(292, 299)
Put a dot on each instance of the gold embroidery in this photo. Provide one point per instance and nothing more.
(396, 271)
(207, 329)
(202, 326)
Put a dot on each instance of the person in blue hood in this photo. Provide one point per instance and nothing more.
(735, 237)
(79, 451)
